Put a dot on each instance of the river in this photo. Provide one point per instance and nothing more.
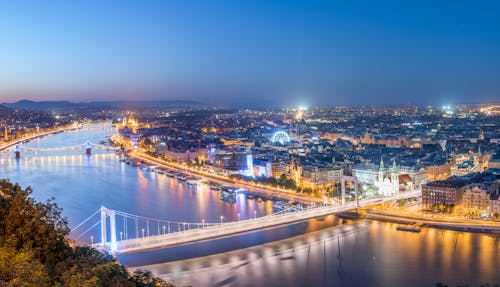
(320, 252)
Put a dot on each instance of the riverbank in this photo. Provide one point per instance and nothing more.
(226, 181)
(32, 137)
(448, 224)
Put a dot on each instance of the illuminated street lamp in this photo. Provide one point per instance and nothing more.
(143, 234)
(221, 219)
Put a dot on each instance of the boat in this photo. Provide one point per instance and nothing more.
(215, 186)
(193, 181)
(228, 191)
(409, 228)
(181, 177)
(169, 174)
(280, 205)
(231, 200)
(250, 196)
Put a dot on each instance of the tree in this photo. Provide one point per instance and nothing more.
(20, 268)
(144, 278)
(35, 252)
(27, 223)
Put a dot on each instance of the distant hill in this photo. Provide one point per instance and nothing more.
(148, 104)
(4, 110)
(41, 106)
(66, 105)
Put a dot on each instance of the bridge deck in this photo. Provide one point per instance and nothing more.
(232, 228)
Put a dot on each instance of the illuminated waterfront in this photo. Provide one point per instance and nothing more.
(372, 252)
(82, 184)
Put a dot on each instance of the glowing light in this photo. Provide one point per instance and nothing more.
(281, 137)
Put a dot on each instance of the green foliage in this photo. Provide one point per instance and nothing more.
(282, 181)
(144, 278)
(34, 250)
(20, 268)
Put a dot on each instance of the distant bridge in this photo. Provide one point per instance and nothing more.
(130, 233)
(88, 147)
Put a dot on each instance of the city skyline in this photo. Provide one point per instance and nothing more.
(294, 53)
(244, 143)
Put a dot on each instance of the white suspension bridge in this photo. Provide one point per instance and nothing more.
(129, 233)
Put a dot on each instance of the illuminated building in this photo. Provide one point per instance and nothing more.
(387, 183)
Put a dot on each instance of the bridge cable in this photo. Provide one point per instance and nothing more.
(90, 228)
(84, 221)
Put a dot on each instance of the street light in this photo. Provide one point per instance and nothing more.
(203, 223)
(121, 236)
(221, 219)
(255, 214)
(92, 240)
(163, 230)
(143, 234)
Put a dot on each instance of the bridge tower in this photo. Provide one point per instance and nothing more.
(355, 183)
(105, 212)
(89, 149)
(17, 151)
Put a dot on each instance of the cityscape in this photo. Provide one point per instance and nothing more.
(170, 154)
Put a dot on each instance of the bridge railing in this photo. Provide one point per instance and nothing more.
(229, 227)
(203, 231)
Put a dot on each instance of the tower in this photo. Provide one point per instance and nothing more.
(394, 177)
(381, 170)
(6, 134)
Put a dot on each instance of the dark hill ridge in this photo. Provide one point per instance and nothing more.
(66, 105)
(4, 110)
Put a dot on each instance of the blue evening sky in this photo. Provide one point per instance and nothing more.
(290, 52)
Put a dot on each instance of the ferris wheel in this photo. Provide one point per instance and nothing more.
(281, 137)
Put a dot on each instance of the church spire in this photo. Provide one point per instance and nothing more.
(394, 166)
(381, 167)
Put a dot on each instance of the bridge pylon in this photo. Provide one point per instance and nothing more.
(355, 183)
(89, 149)
(17, 152)
(105, 212)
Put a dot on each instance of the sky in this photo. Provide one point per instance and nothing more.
(281, 52)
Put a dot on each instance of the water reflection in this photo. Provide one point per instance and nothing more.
(355, 254)
(81, 184)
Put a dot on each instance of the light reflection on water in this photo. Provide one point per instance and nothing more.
(81, 184)
(372, 253)
(363, 253)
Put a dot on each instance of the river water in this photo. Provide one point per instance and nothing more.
(320, 252)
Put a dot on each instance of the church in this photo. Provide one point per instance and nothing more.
(387, 182)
